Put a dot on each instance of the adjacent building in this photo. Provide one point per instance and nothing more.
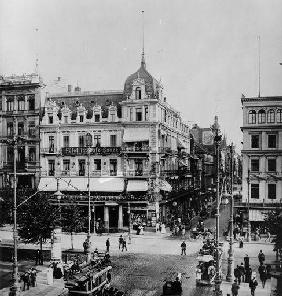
(261, 156)
(20, 105)
(116, 146)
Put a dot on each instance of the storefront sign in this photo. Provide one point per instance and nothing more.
(93, 150)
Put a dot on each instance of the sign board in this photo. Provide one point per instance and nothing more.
(68, 151)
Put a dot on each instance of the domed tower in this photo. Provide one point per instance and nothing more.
(142, 85)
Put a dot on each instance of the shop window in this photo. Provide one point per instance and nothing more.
(81, 167)
(113, 140)
(138, 114)
(279, 115)
(271, 165)
(32, 154)
(51, 165)
(255, 191)
(20, 128)
(97, 164)
(261, 116)
(113, 167)
(255, 141)
(10, 129)
(31, 102)
(252, 116)
(255, 165)
(66, 141)
(271, 141)
(271, 191)
(271, 116)
(21, 103)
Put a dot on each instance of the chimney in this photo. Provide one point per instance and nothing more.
(69, 88)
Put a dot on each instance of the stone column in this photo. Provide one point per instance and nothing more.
(120, 217)
(106, 218)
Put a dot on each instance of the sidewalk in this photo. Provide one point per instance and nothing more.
(245, 290)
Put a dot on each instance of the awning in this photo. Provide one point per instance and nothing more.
(164, 185)
(136, 134)
(81, 184)
(257, 215)
(137, 185)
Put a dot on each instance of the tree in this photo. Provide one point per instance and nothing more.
(273, 222)
(36, 219)
(73, 220)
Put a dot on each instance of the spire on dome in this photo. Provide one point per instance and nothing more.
(143, 64)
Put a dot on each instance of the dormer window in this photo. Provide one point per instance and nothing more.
(81, 118)
(51, 119)
(65, 119)
(138, 93)
(97, 117)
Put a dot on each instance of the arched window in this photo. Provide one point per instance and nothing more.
(261, 116)
(279, 115)
(138, 93)
(252, 116)
(271, 116)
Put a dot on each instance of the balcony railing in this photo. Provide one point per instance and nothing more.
(135, 149)
(73, 151)
(50, 150)
(136, 173)
(265, 204)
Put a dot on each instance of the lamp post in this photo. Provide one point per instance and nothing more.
(230, 268)
(249, 223)
(217, 139)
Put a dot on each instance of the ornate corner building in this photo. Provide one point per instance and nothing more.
(123, 146)
(20, 106)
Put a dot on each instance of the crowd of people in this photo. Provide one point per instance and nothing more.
(29, 278)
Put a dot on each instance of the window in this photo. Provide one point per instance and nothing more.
(279, 115)
(138, 114)
(272, 191)
(51, 119)
(138, 93)
(31, 154)
(31, 129)
(113, 167)
(51, 164)
(261, 116)
(97, 164)
(271, 165)
(10, 129)
(81, 118)
(0, 104)
(10, 154)
(81, 141)
(21, 103)
(51, 144)
(255, 141)
(271, 116)
(131, 114)
(271, 141)
(97, 141)
(138, 167)
(165, 119)
(65, 119)
(81, 167)
(254, 165)
(66, 141)
(113, 140)
(255, 191)
(20, 128)
(10, 103)
(97, 117)
(146, 113)
(31, 102)
(252, 116)
(66, 166)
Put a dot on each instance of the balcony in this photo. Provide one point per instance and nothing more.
(81, 173)
(66, 173)
(142, 149)
(113, 173)
(50, 150)
(136, 173)
(79, 151)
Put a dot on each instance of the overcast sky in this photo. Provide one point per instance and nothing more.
(205, 52)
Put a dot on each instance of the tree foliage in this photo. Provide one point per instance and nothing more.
(36, 219)
(273, 222)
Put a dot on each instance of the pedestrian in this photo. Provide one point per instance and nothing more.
(261, 257)
(183, 231)
(108, 245)
(241, 243)
(26, 280)
(37, 256)
(163, 230)
(237, 274)
(268, 270)
(246, 262)
(262, 274)
(242, 272)
(124, 245)
(248, 275)
(234, 288)
(157, 227)
(267, 236)
(33, 277)
(120, 242)
(253, 285)
(183, 248)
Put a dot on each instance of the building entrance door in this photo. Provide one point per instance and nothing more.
(113, 218)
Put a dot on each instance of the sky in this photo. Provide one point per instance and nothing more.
(204, 52)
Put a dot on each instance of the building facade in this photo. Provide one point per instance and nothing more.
(261, 155)
(20, 105)
(117, 144)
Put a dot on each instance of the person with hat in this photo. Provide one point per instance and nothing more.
(235, 288)
(253, 285)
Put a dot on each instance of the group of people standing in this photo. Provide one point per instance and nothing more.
(29, 278)
(160, 227)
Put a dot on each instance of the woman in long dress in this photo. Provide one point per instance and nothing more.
(163, 230)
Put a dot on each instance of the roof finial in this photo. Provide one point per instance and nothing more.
(143, 64)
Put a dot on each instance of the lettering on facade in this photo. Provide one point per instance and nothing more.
(93, 150)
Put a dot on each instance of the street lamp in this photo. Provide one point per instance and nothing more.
(230, 268)
(249, 223)
(217, 139)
